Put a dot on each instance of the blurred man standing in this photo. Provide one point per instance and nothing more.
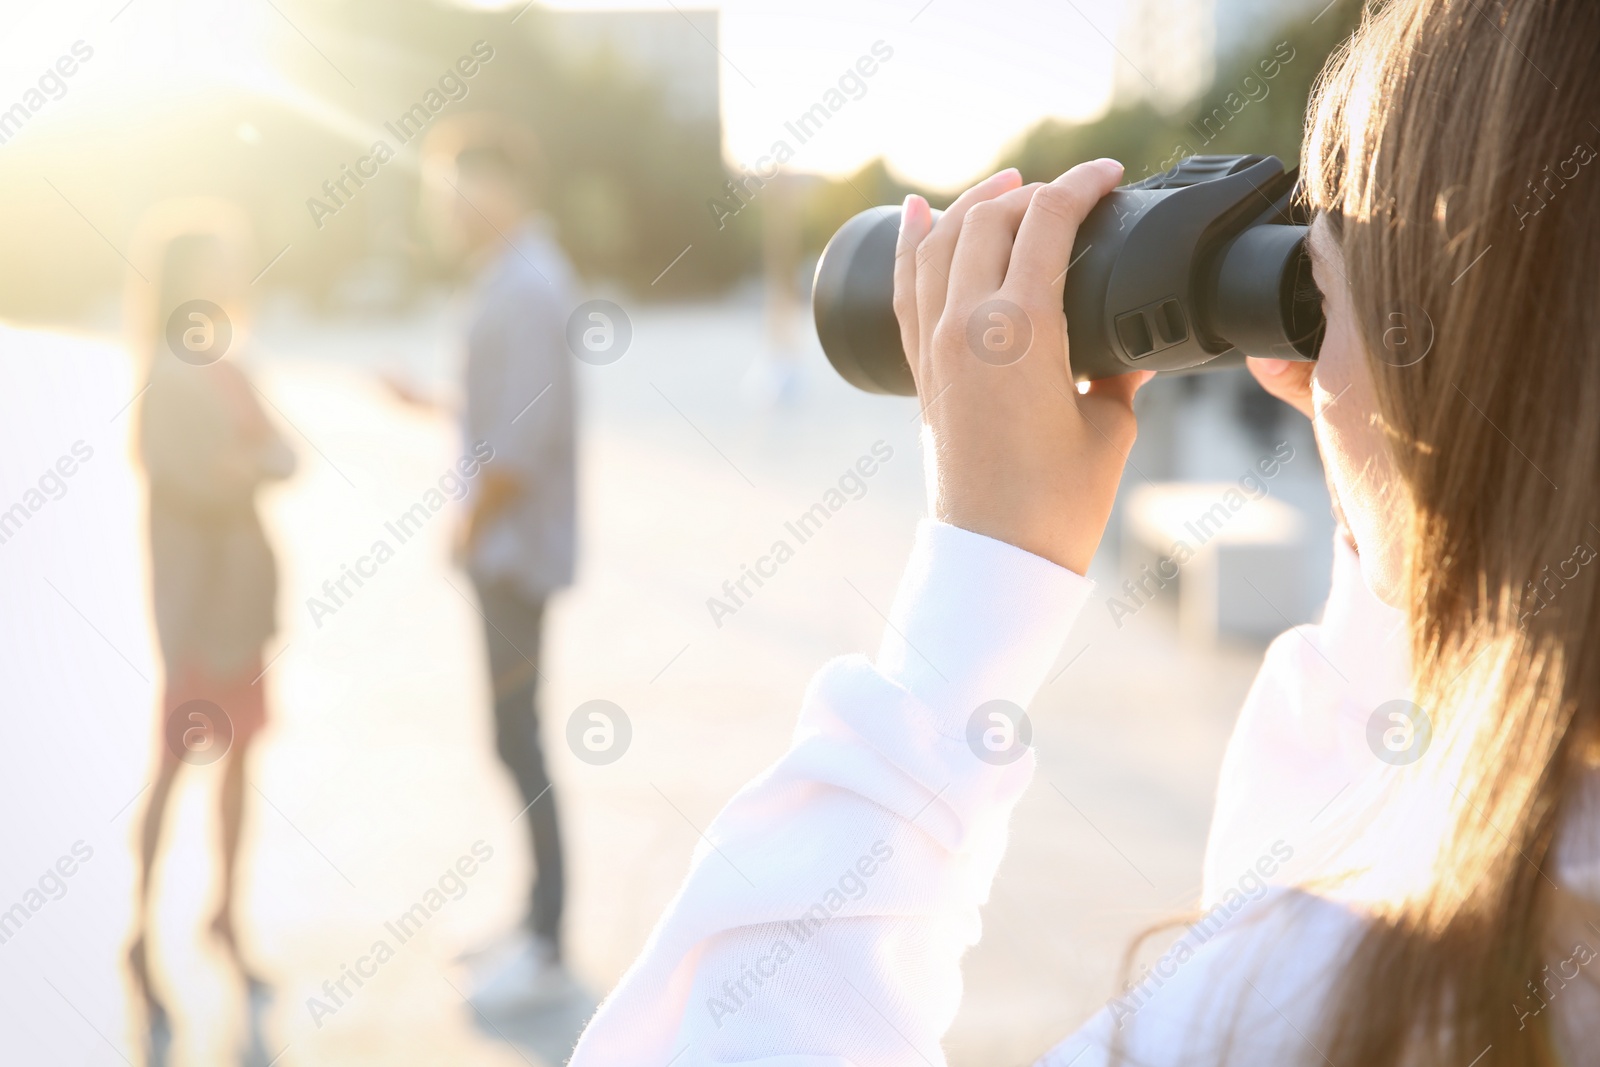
(518, 539)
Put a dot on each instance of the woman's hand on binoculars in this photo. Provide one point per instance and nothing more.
(1015, 451)
(1288, 380)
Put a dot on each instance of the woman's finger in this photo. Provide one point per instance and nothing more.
(1043, 249)
(983, 248)
(1287, 379)
(1110, 407)
(938, 248)
(1119, 388)
(915, 222)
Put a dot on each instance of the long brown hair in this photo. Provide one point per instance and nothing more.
(1450, 146)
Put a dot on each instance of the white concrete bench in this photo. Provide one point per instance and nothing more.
(1238, 561)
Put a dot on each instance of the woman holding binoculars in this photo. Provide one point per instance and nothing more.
(1442, 911)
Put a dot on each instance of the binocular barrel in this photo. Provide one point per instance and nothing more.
(1181, 272)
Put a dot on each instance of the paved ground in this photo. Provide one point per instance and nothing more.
(378, 772)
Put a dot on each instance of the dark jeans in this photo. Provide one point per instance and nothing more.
(514, 623)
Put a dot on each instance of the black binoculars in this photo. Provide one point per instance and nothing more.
(1194, 268)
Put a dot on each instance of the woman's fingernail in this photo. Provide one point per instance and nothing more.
(1270, 367)
(1110, 164)
(912, 210)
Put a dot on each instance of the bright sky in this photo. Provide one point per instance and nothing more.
(967, 76)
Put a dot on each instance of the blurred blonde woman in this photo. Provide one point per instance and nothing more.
(206, 446)
(1404, 861)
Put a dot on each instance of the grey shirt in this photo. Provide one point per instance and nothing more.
(520, 400)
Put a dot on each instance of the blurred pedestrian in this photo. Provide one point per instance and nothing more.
(206, 447)
(518, 539)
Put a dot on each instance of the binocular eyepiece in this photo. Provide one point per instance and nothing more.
(1191, 269)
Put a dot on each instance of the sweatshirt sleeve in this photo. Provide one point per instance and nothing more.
(823, 918)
